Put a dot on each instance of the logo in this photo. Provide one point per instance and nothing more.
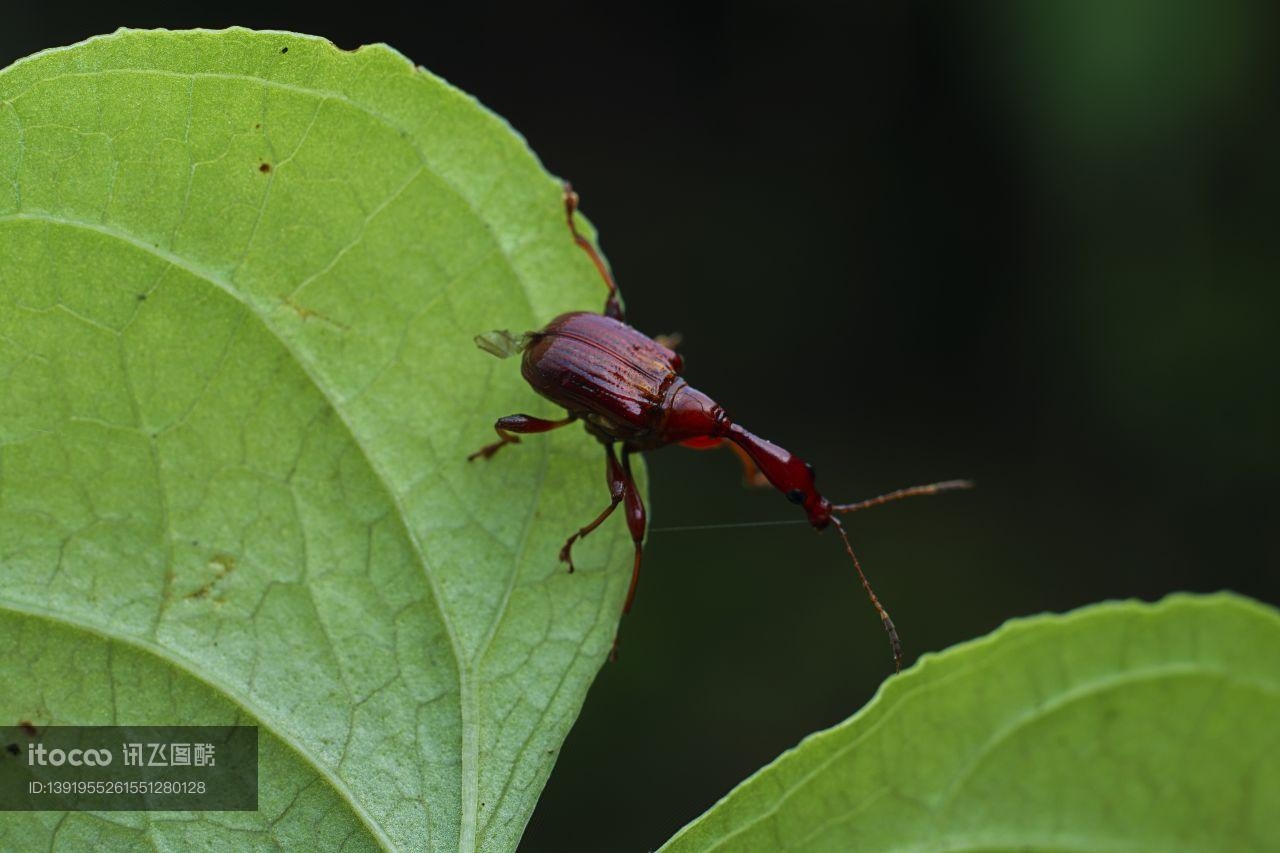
(37, 755)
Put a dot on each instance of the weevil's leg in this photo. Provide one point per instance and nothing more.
(615, 477)
(612, 307)
(513, 424)
(635, 522)
(751, 474)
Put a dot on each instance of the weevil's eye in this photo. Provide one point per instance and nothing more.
(795, 496)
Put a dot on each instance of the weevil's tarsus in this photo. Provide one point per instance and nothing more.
(612, 306)
(616, 479)
(511, 424)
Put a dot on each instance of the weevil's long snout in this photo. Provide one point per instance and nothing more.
(787, 472)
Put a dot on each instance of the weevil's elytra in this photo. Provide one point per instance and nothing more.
(627, 389)
(603, 369)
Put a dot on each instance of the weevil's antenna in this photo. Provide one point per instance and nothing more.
(612, 307)
(909, 492)
(894, 643)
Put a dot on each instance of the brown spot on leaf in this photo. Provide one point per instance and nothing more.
(264, 168)
(222, 565)
(284, 50)
(28, 727)
(304, 313)
(12, 749)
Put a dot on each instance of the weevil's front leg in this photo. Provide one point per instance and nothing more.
(616, 477)
(612, 307)
(751, 474)
(513, 424)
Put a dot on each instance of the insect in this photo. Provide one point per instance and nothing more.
(627, 390)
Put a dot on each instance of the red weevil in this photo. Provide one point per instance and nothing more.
(626, 388)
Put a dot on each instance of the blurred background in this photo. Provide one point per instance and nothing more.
(1032, 244)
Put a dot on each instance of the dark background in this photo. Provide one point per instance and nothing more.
(1032, 244)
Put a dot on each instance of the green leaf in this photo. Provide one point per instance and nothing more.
(1120, 726)
(241, 276)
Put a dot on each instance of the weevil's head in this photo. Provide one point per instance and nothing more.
(811, 500)
(818, 510)
(786, 472)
